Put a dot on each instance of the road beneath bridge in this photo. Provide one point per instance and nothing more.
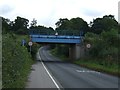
(51, 72)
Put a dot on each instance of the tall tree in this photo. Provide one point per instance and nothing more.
(79, 24)
(20, 25)
(33, 23)
(6, 25)
(75, 25)
(62, 24)
(106, 23)
(42, 30)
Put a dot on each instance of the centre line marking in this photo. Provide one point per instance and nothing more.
(49, 73)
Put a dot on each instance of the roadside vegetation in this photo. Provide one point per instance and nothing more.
(16, 62)
(103, 54)
(16, 58)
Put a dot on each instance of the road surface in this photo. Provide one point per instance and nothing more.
(51, 72)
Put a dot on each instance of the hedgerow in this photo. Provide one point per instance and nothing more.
(16, 62)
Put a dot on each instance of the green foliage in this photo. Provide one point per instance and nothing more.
(111, 37)
(61, 50)
(16, 62)
(34, 50)
(62, 24)
(106, 23)
(6, 25)
(79, 24)
(97, 65)
(104, 51)
(62, 56)
(90, 37)
(18, 26)
(74, 24)
(33, 23)
(42, 30)
(104, 45)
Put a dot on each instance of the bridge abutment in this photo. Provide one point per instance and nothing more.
(76, 51)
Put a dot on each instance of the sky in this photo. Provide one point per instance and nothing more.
(48, 12)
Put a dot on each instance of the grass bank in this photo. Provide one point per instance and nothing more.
(16, 61)
(95, 64)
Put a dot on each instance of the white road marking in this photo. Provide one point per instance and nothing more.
(87, 71)
(49, 73)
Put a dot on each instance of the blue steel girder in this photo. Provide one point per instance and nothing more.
(56, 39)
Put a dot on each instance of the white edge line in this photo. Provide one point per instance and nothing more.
(49, 73)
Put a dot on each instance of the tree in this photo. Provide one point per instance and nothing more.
(33, 23)
(20, 24)
(62, 24)
(6, 25)
(75, 25)
(42, 30)
(79, 24)
(106, 23)
(104, 45)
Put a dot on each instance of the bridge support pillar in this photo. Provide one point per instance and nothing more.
(76, 51)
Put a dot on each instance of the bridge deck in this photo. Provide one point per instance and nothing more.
(56, 39)
(53, 36)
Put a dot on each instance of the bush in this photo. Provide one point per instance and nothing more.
(34, 50)
(16, 62)
(62, 50)
(104, 45)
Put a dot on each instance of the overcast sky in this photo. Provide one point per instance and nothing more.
(48, 12)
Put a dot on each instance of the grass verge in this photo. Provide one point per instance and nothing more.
(112, 69)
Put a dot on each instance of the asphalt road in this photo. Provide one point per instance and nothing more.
(51, 72)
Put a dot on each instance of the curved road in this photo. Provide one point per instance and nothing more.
(51, 72)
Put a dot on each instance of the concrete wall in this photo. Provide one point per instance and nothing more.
(76, 51)
(71, 50)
